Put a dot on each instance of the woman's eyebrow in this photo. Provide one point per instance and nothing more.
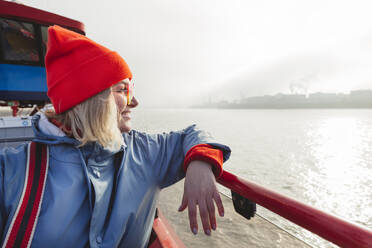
(121, 83)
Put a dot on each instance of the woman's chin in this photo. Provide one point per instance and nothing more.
(125, 126)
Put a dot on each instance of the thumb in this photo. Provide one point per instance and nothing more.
(183, 204)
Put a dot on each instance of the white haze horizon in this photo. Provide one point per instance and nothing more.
(182, 52)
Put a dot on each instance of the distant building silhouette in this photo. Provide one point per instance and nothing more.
(356, 99)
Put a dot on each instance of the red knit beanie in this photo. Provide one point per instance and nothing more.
(78, 68)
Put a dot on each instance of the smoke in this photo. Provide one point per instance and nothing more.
(301, 85)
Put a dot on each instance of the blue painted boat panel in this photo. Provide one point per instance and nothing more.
(22, 82)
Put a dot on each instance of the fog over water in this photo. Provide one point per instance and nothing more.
(182, 52)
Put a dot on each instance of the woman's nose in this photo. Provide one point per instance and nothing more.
(134, 102)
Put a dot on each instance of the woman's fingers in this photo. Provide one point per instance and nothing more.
(217, 199)
(192, 216)
(212, 215)
(204, 216)
(183, 203)
(206, 210)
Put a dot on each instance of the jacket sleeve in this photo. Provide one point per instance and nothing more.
(167, 152)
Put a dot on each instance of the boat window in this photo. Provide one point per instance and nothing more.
(44, 39)
(18, 41)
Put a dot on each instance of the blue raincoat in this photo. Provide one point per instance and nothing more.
(96, 197)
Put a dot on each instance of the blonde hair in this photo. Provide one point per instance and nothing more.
(95, 119)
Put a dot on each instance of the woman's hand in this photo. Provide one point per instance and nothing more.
(200, 189)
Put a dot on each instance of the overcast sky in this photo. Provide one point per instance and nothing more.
(182, 52)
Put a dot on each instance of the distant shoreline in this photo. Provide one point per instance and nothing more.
(358, 99)
(280, 107)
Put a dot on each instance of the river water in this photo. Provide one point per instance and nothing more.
(321, 157)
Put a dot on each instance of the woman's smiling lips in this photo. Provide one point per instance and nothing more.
(126, 114)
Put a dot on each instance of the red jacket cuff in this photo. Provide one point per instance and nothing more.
(208, 154)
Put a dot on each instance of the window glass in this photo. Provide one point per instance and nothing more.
(44, 38)
(18, 41)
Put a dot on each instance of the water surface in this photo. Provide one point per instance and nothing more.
(322, 157)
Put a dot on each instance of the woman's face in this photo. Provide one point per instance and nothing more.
(119, 92)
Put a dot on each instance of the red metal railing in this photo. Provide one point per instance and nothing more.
(165, 235)
(327, 226)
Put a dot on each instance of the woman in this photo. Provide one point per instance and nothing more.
(103, 178)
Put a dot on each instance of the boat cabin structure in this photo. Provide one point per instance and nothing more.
(23, 41)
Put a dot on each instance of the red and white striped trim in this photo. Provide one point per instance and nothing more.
(23, 224)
